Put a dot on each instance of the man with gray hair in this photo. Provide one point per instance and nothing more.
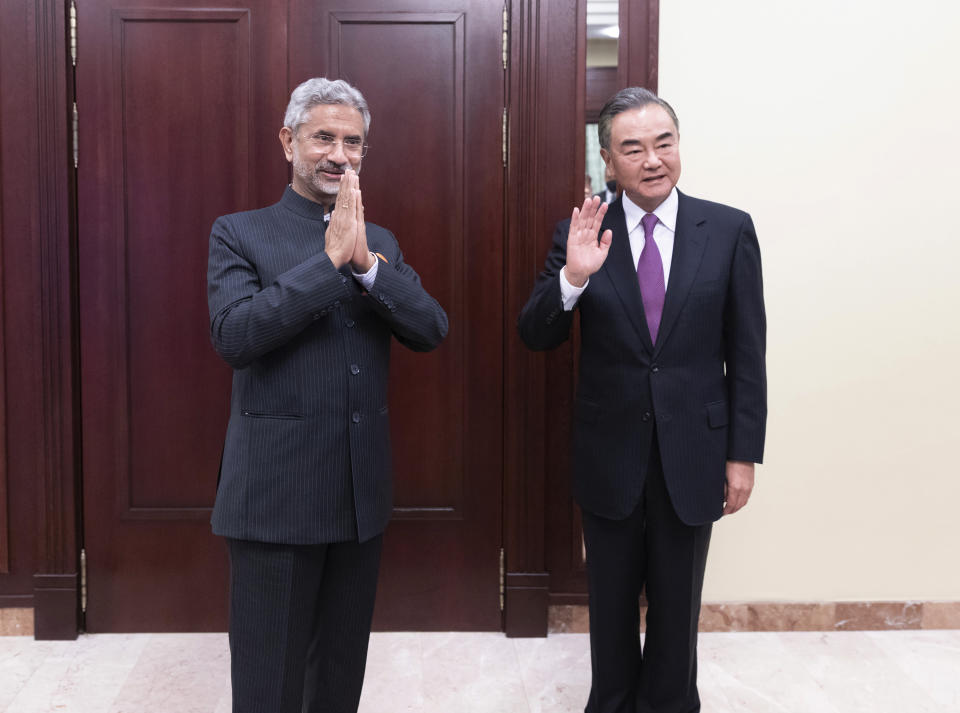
(670, 411)
(304, 298)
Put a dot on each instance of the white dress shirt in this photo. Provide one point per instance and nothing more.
(663, 234)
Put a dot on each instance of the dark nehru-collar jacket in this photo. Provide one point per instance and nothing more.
(307, 452)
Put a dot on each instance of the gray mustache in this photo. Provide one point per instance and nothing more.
(330, 167)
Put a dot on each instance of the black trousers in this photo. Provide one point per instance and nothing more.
(300, 624)
(651, 548)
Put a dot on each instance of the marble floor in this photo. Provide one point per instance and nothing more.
(808, 672)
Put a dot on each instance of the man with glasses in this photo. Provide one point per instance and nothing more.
(304, 298)
(670, 411)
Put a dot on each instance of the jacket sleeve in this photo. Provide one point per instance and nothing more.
(416, 319)
(543, 323)
(249, 319)
(745, 339)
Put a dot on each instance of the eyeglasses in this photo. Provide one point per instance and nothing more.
(352, 146)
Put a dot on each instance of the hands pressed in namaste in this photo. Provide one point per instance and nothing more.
(346, 237)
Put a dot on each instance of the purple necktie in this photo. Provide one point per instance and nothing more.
(650, 277)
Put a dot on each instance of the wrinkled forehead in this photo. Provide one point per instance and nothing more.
(335, 119)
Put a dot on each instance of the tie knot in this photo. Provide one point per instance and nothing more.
(648, 221)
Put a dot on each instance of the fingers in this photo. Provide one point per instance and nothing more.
(738, 487)
(585, 221)
(361, 228)
(735, 502)
(344, 194)
(341, 236)
(598, 218)
(606, 239)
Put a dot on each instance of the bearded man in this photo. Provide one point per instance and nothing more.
(304, 299)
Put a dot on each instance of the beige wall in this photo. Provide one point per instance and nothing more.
(836, 124)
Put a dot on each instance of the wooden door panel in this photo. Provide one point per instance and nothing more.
(169, 140)
(426, 147)
(180, 112)
(408, 146)
(433, 77)
(175, 414)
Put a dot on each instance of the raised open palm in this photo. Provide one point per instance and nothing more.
(585, 252)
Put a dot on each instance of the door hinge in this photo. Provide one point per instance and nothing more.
(504, 137)
(506, 35)
(83, 581)
(73, 33)
(503, 585)
(76, 134)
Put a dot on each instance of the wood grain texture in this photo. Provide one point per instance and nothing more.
(4, 518)
(639, 43)
(55, 590)
(20, 298)
(434, 177)
(602, 83)
(165, 151)
(547, 76)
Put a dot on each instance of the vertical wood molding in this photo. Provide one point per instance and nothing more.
(4, 513)
(55, 582)
(546, 96)
(639, 43)
(523, 370)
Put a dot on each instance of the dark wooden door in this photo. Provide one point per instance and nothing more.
(177, 108)
(180, 109)
(432, 72)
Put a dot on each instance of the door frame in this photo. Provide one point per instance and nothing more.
(545, 77)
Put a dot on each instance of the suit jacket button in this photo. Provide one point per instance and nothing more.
(356, 417)
(654, 368)
(349, 323)
(354, 369)
(645, 416)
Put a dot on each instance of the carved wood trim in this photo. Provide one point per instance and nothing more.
(4, 514)
(57, 537)
(546, 81)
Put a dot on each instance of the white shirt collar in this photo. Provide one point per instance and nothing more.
(666, 212)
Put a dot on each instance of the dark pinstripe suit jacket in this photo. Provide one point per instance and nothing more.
(703, 383)
(307, 452)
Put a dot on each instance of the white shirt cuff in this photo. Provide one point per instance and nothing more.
(367, 278)
(568, 293)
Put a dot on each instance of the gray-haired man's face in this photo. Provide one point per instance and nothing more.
(644, 154)
(321, 150)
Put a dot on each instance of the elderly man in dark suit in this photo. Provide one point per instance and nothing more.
(670, 409)
(304, 298)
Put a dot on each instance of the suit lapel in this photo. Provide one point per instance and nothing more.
(622, 271)
(689, 242)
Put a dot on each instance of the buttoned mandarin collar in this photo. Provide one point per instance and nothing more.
(666, 212)
(303, 207)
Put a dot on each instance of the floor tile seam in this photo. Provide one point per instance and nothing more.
(122, 687)
(521, 673)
